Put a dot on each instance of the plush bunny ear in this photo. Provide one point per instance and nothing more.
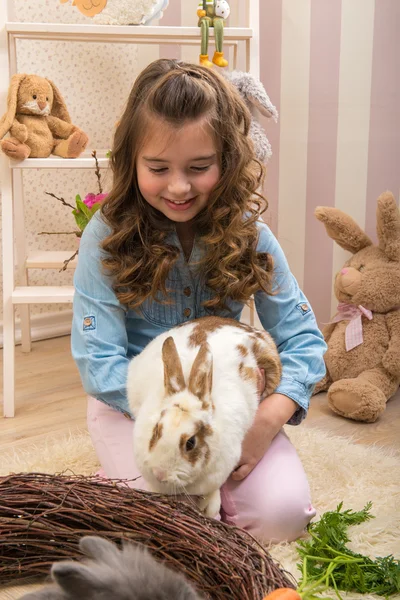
(76, 579)
(254, 92)
(200, 379)
(174, 380)
(59, 108)
(342, 229)
(388, 225)
(12, 100)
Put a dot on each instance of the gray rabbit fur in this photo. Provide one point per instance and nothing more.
(253, 93)
(113, 574)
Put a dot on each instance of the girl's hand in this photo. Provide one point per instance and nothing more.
(272, 414)
(255, 445)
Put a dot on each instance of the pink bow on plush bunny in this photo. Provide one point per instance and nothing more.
(349, 312)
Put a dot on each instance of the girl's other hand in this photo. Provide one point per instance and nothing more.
(272, 414)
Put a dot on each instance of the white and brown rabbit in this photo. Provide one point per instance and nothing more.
(113, 574)
(193, 392)
(363, 357)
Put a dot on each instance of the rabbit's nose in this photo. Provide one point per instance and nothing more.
(343, 271)
(160, 474)
(42, 105)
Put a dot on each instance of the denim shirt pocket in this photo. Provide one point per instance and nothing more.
(165, 311)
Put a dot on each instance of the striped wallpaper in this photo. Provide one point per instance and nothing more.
(332, 68)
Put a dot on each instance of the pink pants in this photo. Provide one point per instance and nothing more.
(272, 503)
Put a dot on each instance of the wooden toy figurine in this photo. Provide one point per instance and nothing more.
(212, 13)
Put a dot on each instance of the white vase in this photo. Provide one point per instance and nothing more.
(131, 12)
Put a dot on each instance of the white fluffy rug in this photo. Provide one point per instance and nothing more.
(338, 470)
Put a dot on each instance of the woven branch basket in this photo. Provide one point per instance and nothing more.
(43, 517)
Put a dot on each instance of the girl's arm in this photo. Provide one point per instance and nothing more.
(288, 317)
(99, 338)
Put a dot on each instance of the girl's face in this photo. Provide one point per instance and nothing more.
(177, 169)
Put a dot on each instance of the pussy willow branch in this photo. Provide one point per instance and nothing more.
(58, 233)
(60, 200)
(66, 262)
(97, 171)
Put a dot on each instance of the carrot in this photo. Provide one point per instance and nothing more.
(283, 594)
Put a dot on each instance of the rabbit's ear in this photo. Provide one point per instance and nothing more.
(59, 108)
(174, 380)
(342, 229)
(99, 548)
(12, 100)
(76, 579)
(200, 379)
(388, 225)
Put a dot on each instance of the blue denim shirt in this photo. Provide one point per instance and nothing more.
(106, 335)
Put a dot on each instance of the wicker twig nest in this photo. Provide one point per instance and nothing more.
(43, 517)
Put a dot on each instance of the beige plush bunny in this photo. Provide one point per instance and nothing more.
(363, 357)
(38, 121)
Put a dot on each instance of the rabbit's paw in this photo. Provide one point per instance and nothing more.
(357, 399)
(77, 143)
(210, 505)
(15, 149)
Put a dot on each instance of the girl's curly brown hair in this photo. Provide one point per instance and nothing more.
(138, 257)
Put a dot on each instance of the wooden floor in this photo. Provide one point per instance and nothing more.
(50, 400)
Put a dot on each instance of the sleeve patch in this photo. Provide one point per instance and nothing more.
(303, 307)
(89, 323)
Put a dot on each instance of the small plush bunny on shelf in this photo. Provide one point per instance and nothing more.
(194, 393)
(109, 573)
(38, 121)
(363, 357)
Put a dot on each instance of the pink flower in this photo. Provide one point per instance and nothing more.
(91, 199)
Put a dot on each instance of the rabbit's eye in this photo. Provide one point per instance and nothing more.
(361, 268)
(190, 444)
(47, 99)
(34, 96)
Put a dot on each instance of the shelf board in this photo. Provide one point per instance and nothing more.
(42, 294)
(118, 33)
(85, 161)
(50, 259)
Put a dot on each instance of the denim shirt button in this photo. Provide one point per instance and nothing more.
(187, 312)
(187, 291)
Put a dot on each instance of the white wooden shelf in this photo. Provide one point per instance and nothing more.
(50, 259)
(43, 294)
(118, 33)
(85, 161)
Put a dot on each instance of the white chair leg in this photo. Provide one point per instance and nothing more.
(20, 237)
(25, 324)
(8, 288)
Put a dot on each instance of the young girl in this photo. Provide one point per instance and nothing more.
(180, 237)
